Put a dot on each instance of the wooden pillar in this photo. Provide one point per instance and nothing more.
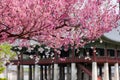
(73, 66)
(52, 73)
(18, 72)
(73, 71)
(116, 72)
(79, 73)
(68, 72)
(46, 73)
(106, 71)
(21, 72)
(116, 65)
(20, 75)
(73, 52)
(56, 72)
(62, 73)
(100, 71)
(94, 54)
(49, 72)
(94, 70)
(30, 72)
(110, 73)
(41, 72)
(106, 66)
(20, 68)
(105, 52)
(35, 72)
(82, 75)
(94, 65)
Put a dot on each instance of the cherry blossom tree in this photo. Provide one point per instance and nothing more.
(56, 22)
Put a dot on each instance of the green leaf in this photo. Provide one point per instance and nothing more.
(5, 52)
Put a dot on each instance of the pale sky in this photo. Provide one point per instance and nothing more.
(115, 33)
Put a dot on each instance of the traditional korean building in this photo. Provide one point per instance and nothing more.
(100, 58)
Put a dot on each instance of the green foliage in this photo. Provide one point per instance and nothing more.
(5, 53)
(3, 79)
(5, 50)
(2, 68)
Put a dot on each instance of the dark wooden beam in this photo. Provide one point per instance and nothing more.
(99, 60)
(30, 72)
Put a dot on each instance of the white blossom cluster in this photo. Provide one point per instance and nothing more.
(35, 52)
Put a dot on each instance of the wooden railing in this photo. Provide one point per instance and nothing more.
(99, 59)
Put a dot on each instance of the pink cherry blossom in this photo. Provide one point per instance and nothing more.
(56, 22)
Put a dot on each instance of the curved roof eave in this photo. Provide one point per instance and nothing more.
(108, 40)
(113, 36)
